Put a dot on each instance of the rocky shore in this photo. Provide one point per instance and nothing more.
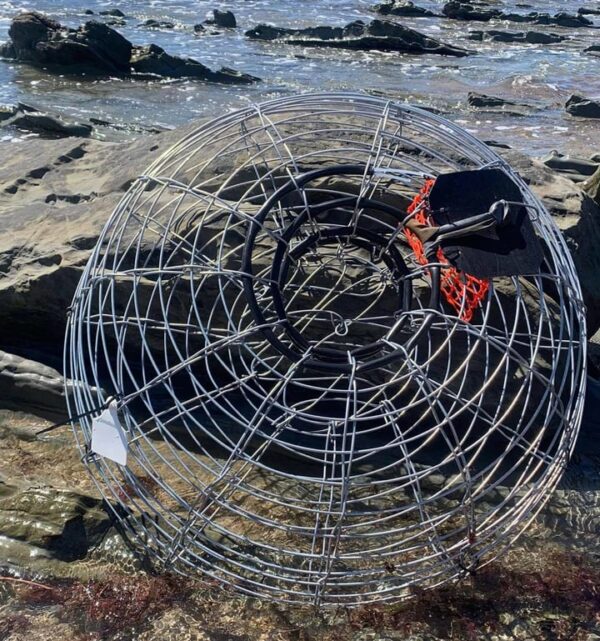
(64, 570)
(55, 196)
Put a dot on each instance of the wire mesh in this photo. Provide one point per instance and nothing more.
(307, 419)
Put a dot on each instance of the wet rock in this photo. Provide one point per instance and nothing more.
(199, 28)
(577, 169)
(404, 8)
(589, 11)
(116, 13)
(154, 60)
(528, 37)
(88, 12)
(7, 112)
(29, 386)
(494, 103)
(65, 524)
(157, 24)
(7, 50)
(96, 48)
(93, 48)
(378, 35)
(129, 127)
(594, 50)
(224, 19)
(583, 107)
(498, 145)
(465, 11)
(46, 125)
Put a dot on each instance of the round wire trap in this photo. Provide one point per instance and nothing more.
(346, 345)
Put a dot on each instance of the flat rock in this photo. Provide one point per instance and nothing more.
(65, 524)
(523, 37)
(495, 104)
(154, 60)
(458, 10)
(583, 107)
(378, 35)
(578, 169)
(46, 125)
(404, 8)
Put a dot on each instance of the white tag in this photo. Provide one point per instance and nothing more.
(108, 438)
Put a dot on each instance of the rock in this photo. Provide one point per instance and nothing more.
(93, 48)
(7, 112)
(378, 35)
(116, 13)
(224, 19)
(7, 50)
(530, 37)
(577, 216)
(29, 386)
(65, 524)
(498, 145)
(47, 125)
(493, 103)
(404, 8)
(465, 11)
(157, 24)
(594, 50)
(583, 107)
(96, 48)
(88, 12)
(577, 169)
(199, 28)
(592, 187)
(152, 59)
(583, 11)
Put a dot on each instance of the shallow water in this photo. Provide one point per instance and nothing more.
(544, 75)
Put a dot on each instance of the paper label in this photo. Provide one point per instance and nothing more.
(108, 438)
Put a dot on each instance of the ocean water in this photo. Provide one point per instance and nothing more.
(544, 75)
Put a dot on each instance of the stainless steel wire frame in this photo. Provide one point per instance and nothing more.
(308, 420)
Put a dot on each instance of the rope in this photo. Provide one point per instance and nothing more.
(463, 292)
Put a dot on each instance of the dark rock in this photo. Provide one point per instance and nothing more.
(152, 59)
(199, 28)
(404, 8)
(116, 13)
(28, 30)
(157, 24)
(483, 101)
(64, 523)
(529, 37)
(7, 50)
(583, 107)
(589, 11)
(47, 125)
(577, 169)
(93, 48)
(378, 35)
(29, 386)
(224, 19)
(88, 12)
(7, 112)
(540, 38)
(593, 50)
(498, 145)
(464, 11)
